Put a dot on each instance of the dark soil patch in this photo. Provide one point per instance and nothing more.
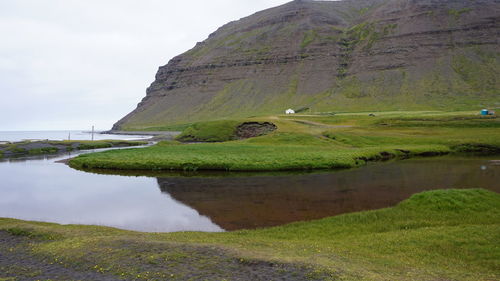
(189, 262)
(17, 262)
(254, 129)
(141, 260)
(480, 148)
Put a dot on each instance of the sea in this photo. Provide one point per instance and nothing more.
(13, 136)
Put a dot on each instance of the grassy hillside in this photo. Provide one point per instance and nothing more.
(304, 142)
(436, 235)
(471, 83)
(332, 56)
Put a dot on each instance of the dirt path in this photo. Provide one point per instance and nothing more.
(317, 124)
(310, 123)
(148, 261)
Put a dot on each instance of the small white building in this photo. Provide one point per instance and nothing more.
(290, 111)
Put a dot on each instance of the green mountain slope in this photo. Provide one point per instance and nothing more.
(350, 55)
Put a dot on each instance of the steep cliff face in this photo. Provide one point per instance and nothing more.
(334, 56)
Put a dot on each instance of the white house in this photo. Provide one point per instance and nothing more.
(290, 111)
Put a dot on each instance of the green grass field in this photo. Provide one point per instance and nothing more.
(215, 131)
(435, 235)
(306, 142)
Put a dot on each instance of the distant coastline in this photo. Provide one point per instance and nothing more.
(82, 135)
(143, 133)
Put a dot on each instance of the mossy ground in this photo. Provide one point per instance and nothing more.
(215, 131)
(435, 235)
(306, 142)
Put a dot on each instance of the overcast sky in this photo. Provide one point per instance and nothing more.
(71, 64)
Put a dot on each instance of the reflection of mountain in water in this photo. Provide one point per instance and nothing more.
(250, 202)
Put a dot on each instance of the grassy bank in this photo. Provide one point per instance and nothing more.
(436, 235)
(247, 157)
(312, 142)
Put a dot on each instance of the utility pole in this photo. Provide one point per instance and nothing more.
(69, 136)
(92, 132)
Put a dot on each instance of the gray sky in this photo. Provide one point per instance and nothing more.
(71, 64)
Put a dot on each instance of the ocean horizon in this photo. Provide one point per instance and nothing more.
(14, 136)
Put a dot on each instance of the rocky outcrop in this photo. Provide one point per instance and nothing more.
(254, 129)
(333, 56)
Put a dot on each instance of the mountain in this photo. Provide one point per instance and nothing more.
(333, 56)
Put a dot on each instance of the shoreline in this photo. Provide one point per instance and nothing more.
(258, 173)
(143, 133)
(49, 147)
(155, 136)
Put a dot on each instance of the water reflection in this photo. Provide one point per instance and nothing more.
(259, 201)
(47, 191)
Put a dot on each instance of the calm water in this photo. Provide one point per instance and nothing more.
(61, 135)
(43, 190)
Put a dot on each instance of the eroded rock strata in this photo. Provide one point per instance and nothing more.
(333, 56)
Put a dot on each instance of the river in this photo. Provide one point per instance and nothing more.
(41, 189)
